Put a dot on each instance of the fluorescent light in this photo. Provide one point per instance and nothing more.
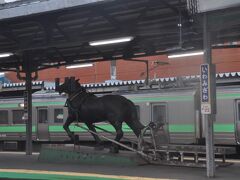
(5, 55)
(79, 66)
(196, 53)
(111, 41)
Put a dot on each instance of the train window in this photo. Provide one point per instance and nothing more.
(3, 117)
(159, 114)
(42, 116)
(58, 115)
(17, 117)
(138, 111)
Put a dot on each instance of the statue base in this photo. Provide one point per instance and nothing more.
(87, 155)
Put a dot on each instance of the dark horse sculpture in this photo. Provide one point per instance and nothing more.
(87, 108)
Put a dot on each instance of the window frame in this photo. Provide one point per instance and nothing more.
(8, 117)
(24, 122)
(58, 108)
(38, 110)
(152, 113)
(238, 111)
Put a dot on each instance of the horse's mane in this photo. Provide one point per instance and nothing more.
(79, 86)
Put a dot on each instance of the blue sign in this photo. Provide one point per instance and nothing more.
(205, 83)
(205, 89)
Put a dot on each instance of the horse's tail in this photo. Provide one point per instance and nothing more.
(134, 123)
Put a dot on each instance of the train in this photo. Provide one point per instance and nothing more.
(177, 109)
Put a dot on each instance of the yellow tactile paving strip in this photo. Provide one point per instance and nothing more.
(74, 174)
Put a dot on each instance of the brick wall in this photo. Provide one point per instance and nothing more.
(226, 60)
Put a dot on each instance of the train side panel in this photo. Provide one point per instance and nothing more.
(181, 113)
(225, 119)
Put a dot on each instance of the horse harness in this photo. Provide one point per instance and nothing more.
(69, 101)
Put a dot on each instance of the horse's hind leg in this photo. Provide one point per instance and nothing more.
(118, 128)
(96, 137)
(66, 125)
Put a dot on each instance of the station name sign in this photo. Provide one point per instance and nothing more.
(205, 89)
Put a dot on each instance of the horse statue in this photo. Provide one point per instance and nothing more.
(87, 108)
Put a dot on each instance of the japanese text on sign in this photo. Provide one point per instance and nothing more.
(205, 83)
(205, 89)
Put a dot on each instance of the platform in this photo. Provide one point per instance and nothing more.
(17, 165)
(171, 155)
(190, 155)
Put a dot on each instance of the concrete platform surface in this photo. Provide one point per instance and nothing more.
(15, 165)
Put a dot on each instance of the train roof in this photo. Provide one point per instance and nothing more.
(17, 89)
(222, 79)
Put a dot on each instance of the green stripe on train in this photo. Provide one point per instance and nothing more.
(180, 128)
(167, 98)
(15, 128)
(58, 128)
(227, 96)
(173, 128)
(137, 99)
(227, 128)
(73, 128)
(190, 128)
(181, 98)
(35, 104)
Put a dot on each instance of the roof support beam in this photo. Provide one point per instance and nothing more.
(7, 32)
(118, 25)
(124, 28)
(173, 8)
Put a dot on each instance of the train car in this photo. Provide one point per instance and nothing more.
(178, 109)
(227, 123)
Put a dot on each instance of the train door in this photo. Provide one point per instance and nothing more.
(42, 124)
(159, 116)
(238, 121)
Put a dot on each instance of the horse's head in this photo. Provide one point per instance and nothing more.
(69, 86)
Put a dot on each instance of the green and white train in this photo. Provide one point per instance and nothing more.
(178, 109)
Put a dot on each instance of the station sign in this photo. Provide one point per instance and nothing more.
(205, 89)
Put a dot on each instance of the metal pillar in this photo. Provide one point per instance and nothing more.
(29, 112)
(210, 158)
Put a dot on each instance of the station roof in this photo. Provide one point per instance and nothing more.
(17, 89)
(50, 33)
(223, 79)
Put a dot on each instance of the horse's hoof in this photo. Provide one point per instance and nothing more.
(76, 139)
(114, 149)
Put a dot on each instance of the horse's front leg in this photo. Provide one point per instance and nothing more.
(118, 127)
(96, 137)
(66, 125)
